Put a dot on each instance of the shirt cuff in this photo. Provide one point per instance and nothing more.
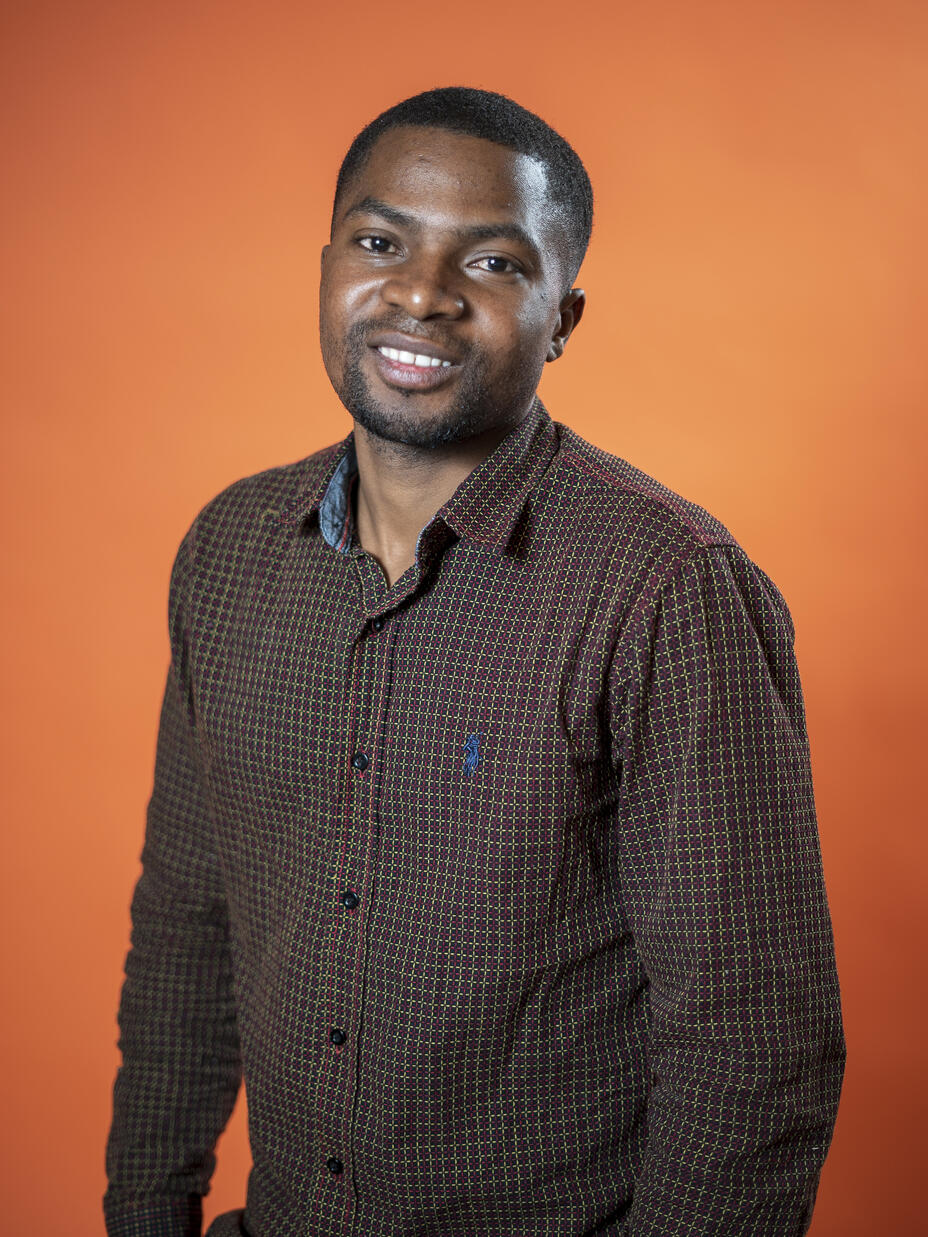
(161, 1217)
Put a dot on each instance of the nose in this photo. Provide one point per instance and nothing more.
(424, 288)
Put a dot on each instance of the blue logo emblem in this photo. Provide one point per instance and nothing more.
(471, 755)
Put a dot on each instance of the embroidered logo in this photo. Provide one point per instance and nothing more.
(471, 755)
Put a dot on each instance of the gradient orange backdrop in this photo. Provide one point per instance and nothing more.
(755, 338)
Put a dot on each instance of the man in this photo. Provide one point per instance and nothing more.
(483, 838)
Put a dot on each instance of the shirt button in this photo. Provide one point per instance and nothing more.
(337, 1037)
(350, 899)
(359, 761)
(334, 1165)
(377, 624)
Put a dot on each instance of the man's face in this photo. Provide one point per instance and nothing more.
(442, 288)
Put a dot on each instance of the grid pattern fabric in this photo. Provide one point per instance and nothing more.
(501, 886)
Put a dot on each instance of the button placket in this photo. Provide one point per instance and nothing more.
(368, 666)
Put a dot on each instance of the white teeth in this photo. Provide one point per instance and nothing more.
(409, 358)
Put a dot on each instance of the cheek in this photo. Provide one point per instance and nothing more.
(344, 291)
(342, 303)
(329, 333)
(531, 334)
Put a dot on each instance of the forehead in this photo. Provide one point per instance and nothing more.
(441, 176)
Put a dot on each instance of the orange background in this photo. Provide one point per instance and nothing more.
(755, 338)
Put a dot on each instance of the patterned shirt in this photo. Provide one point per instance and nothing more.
(501, 885)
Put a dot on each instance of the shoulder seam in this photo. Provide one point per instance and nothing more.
(650, 596)
(616, 483)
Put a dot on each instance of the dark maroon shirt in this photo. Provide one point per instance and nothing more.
(501, 885)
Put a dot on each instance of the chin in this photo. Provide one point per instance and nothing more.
(412, 419)
(404, 431)
(405, 426)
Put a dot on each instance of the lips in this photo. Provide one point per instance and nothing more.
(410, 362)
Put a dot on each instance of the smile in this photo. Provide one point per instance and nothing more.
(410, 358)
(412, 371)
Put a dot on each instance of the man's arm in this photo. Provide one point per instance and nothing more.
(181, 1065)
(722, 877)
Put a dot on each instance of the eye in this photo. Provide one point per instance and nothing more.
(497, 265)
(376, 244)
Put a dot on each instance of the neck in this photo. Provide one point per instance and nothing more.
(401, 487)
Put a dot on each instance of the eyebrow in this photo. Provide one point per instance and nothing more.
(478, 232)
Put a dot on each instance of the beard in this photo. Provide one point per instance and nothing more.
(479, 404)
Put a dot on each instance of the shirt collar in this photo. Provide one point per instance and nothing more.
(484, 508)
(487, 504)
(335, 505)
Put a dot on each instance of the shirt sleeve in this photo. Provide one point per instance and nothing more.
(181, 1068)
(722, 877)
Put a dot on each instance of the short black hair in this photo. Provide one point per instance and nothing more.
(497, 118)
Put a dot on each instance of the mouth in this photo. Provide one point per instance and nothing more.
(418, 360)
(418, 366)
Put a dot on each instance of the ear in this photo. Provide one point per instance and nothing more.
(570, 314)
(322, 256)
